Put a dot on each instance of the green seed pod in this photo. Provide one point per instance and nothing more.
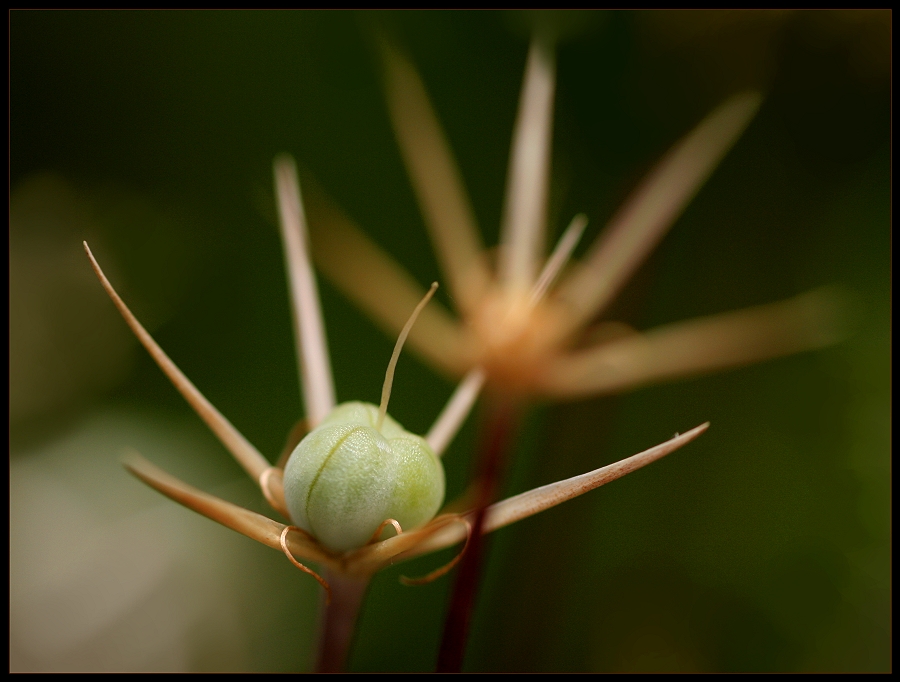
(348, 476)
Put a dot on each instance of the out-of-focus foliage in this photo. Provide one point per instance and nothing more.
(762, 546)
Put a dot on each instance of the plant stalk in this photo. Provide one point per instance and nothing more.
(337, 620)
(499, 430)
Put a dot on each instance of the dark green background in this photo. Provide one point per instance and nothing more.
(762, 546)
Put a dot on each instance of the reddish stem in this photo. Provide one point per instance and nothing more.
(338, 620)
(496, 438)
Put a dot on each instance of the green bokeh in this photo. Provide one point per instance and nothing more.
(762, 546)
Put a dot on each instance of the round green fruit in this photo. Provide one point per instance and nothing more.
(347, 477)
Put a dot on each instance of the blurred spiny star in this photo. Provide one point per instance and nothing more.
(532, 325)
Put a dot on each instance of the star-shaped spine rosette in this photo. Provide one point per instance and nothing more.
(518, 328)
(444, 530)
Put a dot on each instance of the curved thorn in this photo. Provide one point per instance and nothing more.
(371, 558)
(271, 482)
(434, 575)
(255, 526)
(395, 356)
(287, 552)
(534, 501)
(245, 454)
(384, 524)
(540, 499)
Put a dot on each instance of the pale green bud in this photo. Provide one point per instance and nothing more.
(347, 477)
